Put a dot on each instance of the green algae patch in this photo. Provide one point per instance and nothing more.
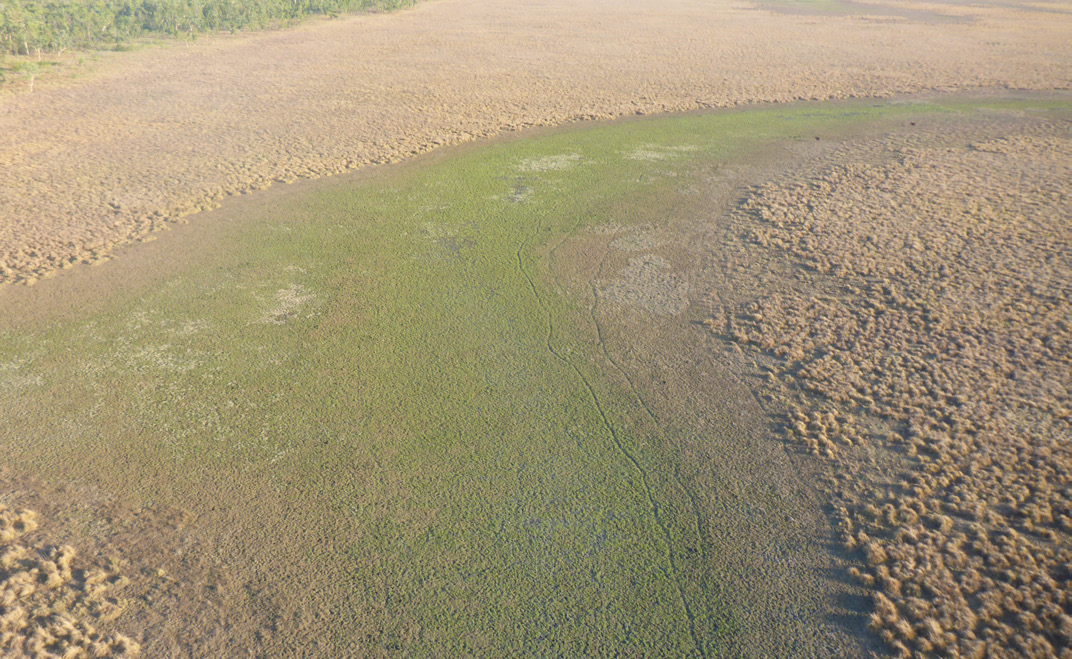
(391, 426)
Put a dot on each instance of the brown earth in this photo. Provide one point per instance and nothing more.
(90, 163)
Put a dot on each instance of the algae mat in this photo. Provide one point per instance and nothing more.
(365, 417)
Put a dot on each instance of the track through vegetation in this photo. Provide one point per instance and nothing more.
(400, 415)
(673, 573)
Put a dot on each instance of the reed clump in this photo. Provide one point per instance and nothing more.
(49, 604)
(933, 377)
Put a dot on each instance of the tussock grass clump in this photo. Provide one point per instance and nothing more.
(946, 352)
(48, 603)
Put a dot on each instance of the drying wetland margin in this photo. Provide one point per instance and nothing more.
(517, 399)
(140, 140)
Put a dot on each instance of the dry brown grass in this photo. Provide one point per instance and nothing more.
(934, 378)
(49, 604)
(152, 136)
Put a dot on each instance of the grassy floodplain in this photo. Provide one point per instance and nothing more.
(388, 424)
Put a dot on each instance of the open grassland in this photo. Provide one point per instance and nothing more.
(370, 416)
(140, 140)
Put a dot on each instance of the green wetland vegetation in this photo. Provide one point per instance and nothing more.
(388, 422)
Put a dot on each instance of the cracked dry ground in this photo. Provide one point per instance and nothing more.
(907, 301)
(139, 141)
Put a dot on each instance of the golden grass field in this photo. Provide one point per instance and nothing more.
(143, 138)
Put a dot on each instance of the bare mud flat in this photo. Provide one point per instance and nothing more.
(146, 138)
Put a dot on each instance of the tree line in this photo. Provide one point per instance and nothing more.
(53, 26)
